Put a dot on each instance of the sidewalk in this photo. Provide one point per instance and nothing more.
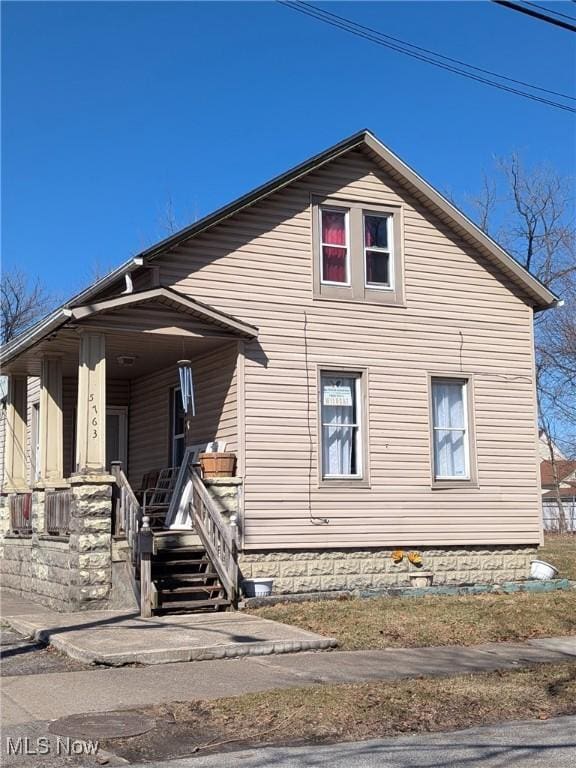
(49, 696)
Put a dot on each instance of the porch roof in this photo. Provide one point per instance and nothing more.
(133, 323)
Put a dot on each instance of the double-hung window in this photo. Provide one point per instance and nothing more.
(334, 242)
(357, 251)
(450, 429)
(341, 424)
(378, 262)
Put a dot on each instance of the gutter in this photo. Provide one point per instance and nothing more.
(61, 315)
(35, 333)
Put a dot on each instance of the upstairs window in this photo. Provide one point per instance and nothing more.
(451, 442)
(377, 251)
(357, 251)
(335, 246)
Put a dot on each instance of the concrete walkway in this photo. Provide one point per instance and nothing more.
(53, 695)
(116, 638)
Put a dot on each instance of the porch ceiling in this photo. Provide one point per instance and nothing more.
(151, 353)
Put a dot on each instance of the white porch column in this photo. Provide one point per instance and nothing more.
(91, 411)
(51, 423)
(16, 435)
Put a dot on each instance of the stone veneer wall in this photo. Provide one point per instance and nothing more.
(225, 491)
(297, 572)
(37, 565)
(65, 573)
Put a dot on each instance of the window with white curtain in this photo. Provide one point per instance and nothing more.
(341, 425)
(450, 429)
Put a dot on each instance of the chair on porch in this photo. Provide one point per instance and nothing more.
(158, 485)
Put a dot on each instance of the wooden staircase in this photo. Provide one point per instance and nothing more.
(183, 577)
(176, 569)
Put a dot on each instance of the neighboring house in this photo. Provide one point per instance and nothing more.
(565, 471)
(359, 344)
(545, 448)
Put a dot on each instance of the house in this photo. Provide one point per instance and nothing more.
(545, 448)
(363, 349)
(558, 480)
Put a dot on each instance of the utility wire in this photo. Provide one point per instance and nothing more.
(535, 14)
(549, 10)
(376, 37)
(427, 50)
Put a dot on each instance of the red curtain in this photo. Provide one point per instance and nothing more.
(334, 259)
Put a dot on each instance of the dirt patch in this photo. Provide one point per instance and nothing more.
(19, 656)
(324, 714)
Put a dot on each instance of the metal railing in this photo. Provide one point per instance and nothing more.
(20, 507)
(57, 512)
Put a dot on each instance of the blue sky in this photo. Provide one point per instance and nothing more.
(112, 110)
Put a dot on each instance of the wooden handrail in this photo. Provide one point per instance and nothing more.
(128, 511)
(218, 538)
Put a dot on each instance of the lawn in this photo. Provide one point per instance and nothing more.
(336, 713)
(360, 624)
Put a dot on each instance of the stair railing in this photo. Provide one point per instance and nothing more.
(128, 512)
(219, 538)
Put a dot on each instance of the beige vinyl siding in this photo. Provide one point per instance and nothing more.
(460, 317)
(150, 410)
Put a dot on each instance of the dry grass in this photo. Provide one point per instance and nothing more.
(359, 711)
(360, 624)
(560, 550)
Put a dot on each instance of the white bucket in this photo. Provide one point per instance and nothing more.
(542, 570)
(257, 587)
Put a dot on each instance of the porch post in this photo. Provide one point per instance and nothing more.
(51, 423)
(91, 411)
(15, 437)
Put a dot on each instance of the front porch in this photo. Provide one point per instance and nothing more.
(93, 412)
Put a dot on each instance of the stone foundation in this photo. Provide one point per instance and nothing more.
(297, 572)
(66, 573)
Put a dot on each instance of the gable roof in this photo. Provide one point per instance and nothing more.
(172, 299)
(158, 296)
(535, 292)
(565, 468)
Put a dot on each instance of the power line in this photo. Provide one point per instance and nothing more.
(376, 37)
(357, 25)
(535, 14)
(549, 10)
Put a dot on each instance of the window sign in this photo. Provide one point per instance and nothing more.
(337, 394)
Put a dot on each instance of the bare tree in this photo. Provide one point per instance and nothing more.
(22, 302)
(531, 213)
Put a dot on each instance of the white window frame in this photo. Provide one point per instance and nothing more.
(176, 400)
(388, 251)
(346, 212)
(464, 383)
(122, 412)
(357, 425)
(35, 442)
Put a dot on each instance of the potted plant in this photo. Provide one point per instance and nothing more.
(418, 578)
(222, 464)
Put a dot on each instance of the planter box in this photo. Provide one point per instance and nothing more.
(218, 464)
